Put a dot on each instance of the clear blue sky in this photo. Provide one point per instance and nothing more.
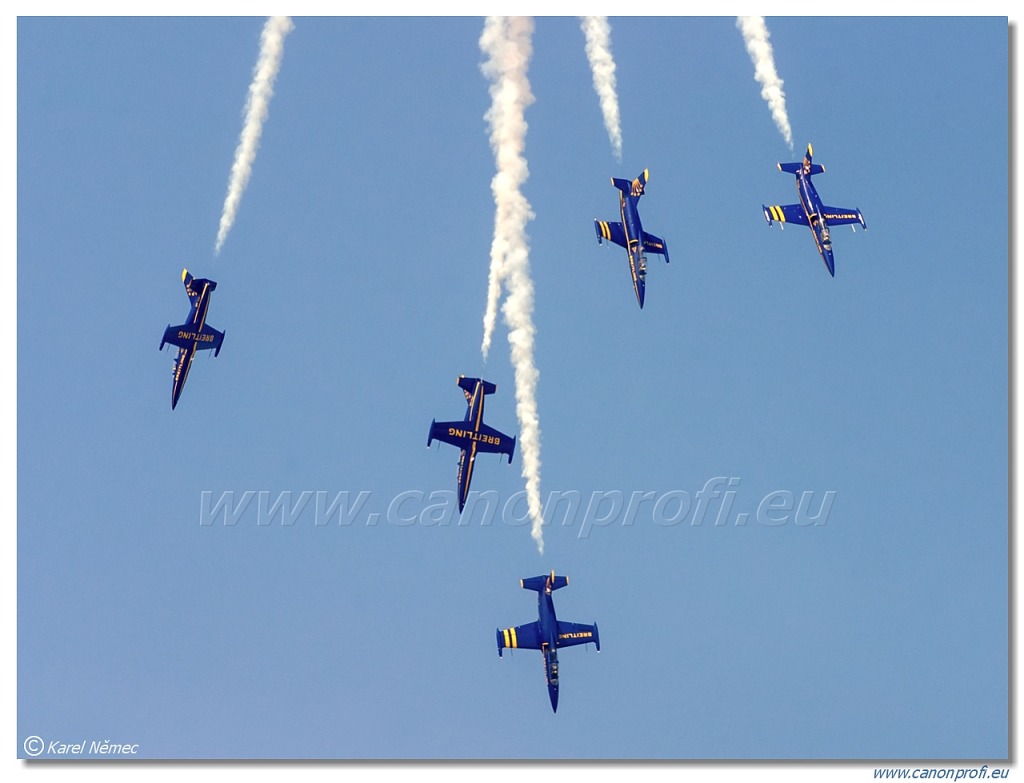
(352, 288)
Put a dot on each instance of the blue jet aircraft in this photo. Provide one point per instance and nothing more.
(193, 335)
(811, 211)
(548, 633)
(630, 232)
(471, 434)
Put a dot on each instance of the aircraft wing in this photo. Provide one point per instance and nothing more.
(173, 335)
(445, 431)
(458, 434)
(570, 634)
(653, 244)
(786, 213)
(611, 232)
(495, 442)
(839, 216)
(210, 338)
(185, 336)
(522, 637)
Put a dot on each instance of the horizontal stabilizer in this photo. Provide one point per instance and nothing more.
(194, 285)
(469, 385)
(634, 188)
(798, 167)
(806, 166)
(540, 583)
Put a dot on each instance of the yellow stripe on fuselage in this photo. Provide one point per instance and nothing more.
(182, 370)
(469, 468)
(199, 304)
(515, 641)
(480, 409)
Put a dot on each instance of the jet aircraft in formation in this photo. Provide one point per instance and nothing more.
(810, 211)
(548, 633)
(471, 434)
(630, 234)
(193, 335)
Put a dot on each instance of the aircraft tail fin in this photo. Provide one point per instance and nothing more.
(539, 583)
(806, 166)
(194, 285)
(469, 385)
(634, 188)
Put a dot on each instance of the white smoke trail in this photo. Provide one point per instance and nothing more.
(506, 41)
(755, 35)
(257, 106)
(507, 44)
(599, 53)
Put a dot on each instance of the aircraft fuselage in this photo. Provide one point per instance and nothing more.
(193, 335)
(471, 435)
(547, 633)
(634, 231)
(815, 211)
(549, 644)
(474, 418)
(196, 319)
(811, 211)
(628, 232)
